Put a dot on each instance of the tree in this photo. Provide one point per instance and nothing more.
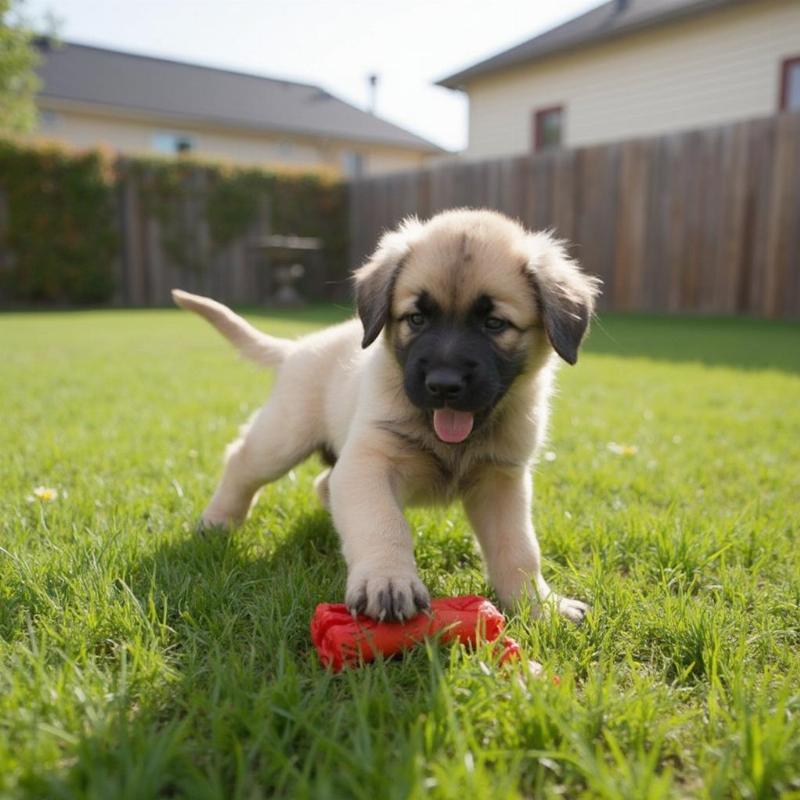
(18, 81)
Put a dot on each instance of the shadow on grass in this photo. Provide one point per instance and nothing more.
(247, 710)
(740, 343)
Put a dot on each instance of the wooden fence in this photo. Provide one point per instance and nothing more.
(705, 221)
(147, 267)
(86, 228)
(168, 239)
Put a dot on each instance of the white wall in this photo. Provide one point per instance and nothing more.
(704, 71)
(84, 128)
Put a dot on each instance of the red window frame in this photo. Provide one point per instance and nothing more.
(538, 116)
(786, 65)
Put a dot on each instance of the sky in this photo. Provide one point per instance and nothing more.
(409, 43)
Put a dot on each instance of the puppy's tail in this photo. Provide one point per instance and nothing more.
(250, 342)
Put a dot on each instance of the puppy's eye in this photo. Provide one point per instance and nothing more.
(416, 321)
(495, 324)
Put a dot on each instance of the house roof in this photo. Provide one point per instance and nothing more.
(191, 92)
(604, 22)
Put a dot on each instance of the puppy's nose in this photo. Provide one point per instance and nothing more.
(444, 383)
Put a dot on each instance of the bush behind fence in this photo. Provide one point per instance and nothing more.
(85, 228)
(58, 237)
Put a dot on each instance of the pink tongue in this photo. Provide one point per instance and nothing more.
(452, 426)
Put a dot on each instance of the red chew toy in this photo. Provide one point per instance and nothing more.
(341, 639)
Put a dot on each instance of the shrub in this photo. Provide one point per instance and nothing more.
(60, 234)
(230, 201)
(58, 240)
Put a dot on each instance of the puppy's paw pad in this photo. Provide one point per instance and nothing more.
(391, 599)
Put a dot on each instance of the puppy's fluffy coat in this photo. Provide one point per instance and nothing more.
(439, 392)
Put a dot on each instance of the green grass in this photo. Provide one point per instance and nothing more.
(139, 661)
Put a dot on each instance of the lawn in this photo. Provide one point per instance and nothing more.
(137, 660)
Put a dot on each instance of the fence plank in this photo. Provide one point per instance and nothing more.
(630, 226)
(782, 218)
(792, 204)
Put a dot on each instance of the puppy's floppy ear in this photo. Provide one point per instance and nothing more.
(564, 294)
(375, 280)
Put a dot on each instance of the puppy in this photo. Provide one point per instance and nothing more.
(439, 393)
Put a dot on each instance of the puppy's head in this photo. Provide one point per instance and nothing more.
(468, 302)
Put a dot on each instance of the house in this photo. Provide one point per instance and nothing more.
(135, 104)
(635, 68)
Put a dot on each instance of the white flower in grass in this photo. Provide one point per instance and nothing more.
(550, 455)
(43, 494)
(622, 449)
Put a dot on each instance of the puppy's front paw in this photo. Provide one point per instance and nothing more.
(386, 596)
(573, 610)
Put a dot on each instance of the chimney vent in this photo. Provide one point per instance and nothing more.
(372, 80)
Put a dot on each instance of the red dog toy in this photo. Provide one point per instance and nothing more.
(341, 639)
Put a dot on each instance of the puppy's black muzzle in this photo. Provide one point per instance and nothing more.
(448, 366)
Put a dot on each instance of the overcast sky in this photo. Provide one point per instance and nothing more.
(409, 43)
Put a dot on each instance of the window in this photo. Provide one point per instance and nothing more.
(172, 143)
(790, 84)
(353, 164)
(548, 128)
(48, 119)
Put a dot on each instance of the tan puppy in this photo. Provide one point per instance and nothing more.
(439, 393)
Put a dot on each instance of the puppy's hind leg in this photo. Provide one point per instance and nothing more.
(276, 438)
(322, 488)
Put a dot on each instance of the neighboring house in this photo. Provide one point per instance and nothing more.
(633, 68)
(136, 104)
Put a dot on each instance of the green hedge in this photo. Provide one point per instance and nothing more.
(60, 234)
(58, 239)
(231, 198)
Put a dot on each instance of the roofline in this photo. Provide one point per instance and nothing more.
(424, 145)
(46, 40)
(121, 109)
(456, 81)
